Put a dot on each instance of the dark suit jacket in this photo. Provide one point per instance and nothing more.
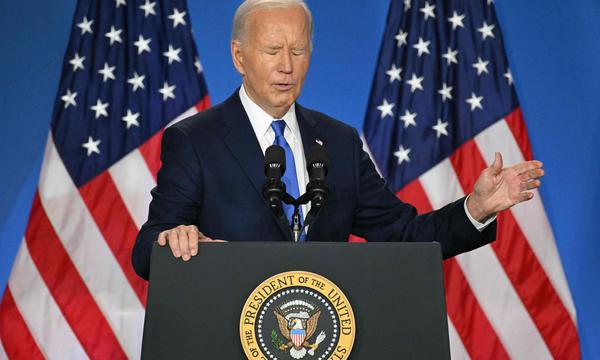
(212, 176)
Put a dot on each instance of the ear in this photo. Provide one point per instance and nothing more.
(237, 56)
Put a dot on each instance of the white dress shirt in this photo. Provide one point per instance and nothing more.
(261, 124)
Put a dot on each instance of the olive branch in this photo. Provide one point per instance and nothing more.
(276, 340)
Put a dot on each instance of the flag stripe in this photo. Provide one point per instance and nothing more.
(517, 126)
(87, 249)
(457, 349)
(470, 322)
(17, 341)
(534, 288)
(497, 298)
(42, 315)
(469, 319)
(133, 180)
(118, 229)
(538, 233)
(68, 288)
(150, 151)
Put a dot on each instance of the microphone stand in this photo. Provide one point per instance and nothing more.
(296, 226)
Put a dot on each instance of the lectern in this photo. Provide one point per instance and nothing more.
(313, 300)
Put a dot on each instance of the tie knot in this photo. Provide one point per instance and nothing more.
(278, 126)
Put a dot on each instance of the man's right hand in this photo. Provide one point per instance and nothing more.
(183, 240)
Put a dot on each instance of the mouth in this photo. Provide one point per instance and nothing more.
(283, 86)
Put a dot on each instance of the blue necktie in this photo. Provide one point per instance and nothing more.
(289, 178)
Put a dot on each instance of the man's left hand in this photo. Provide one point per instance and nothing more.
(498, 189)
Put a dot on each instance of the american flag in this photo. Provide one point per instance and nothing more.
(130, 69)
(441, 104)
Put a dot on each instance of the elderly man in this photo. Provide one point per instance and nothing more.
(210, 184)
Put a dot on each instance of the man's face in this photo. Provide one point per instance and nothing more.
(273, 57)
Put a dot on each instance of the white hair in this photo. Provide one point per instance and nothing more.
(240, 18)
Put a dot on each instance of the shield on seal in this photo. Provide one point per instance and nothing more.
(298, 336)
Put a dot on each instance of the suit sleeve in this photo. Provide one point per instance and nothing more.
(177, 198)
(381, 216)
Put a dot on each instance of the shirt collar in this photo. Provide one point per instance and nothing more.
(261, 121)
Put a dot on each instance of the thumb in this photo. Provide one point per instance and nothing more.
(497, 164)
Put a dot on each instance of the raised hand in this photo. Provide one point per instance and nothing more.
(498, 189)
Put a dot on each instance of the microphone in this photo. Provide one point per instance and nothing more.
(274, 188)
(317, 162)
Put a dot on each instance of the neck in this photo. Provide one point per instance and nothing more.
(276, 113)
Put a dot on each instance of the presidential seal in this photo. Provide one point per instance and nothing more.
(297, 315)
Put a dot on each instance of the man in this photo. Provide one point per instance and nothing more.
(210, 183)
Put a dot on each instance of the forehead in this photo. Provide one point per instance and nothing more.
(290, 22)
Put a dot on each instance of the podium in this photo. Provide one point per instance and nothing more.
(262, 300)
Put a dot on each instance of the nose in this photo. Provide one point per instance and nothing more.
(285, 63)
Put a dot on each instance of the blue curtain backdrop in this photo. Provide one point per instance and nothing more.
(552, 45)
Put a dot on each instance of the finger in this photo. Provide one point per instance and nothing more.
(530, 185)
(193, 241)
(173, 238)
(162, 238)
(531, 174)
(184, 244)
(524, 196)
(528, 165)
(497, 164)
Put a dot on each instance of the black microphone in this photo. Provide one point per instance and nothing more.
(317, 163)
(274, 188)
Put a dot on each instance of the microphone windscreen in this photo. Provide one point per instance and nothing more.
(317, 154)
(275, 155)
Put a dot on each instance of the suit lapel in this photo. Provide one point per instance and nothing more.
(241, 141)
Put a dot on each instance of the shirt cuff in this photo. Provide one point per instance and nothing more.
(479, 226)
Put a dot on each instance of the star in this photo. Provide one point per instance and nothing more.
(177, 18)
(386, 109)
(406, 5)
(77, 62)
(508, 76)
(167, 91)
(415, 83)
(422, 46)
(456, 20)
(409, 118)
(198, 65)
(69, 98)
(402, 155)
(131, 119)
(450, 56)
(85, 26)
(475, 101)
(427, 11)
(148, 8)
(446, 92)
(114, 35)
(121, 2)
(486, 30)
(107, 72)
(100, 108)
(401, 37)
(440, 128)
(394, 73)
(172, 54)
(92, 146)
(142, 44)
(137, 81)
(481, 66)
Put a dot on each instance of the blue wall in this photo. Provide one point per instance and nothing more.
(553, 48)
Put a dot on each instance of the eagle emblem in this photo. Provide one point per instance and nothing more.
(297, 321)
